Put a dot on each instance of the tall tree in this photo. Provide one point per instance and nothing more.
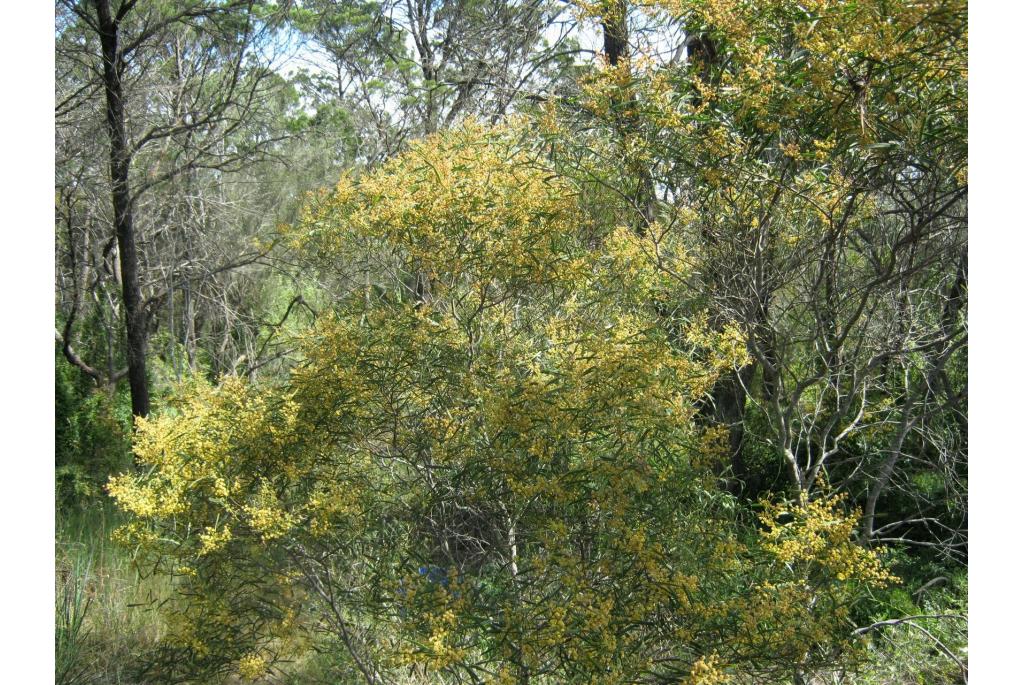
(410, 68)
(124, 50)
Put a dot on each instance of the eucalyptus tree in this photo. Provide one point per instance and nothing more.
(408, 68)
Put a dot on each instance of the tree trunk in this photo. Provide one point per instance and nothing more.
(881, 482)
(120, 191)
(615, 27)
(615, 34)
(729, 396)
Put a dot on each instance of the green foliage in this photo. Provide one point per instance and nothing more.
(924, 650)
(767, 470)
(92, 432)
(72, 605)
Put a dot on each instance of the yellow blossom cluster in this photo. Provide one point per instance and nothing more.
(819, 534)
(252, 667)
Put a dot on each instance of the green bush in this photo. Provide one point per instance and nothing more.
(92, 435)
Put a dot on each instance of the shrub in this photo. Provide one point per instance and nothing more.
(92, 436)
(499, 404)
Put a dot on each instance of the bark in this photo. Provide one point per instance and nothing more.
(615, 28)
(615, 33)
(730, 400)
(120, 192)
(895, 452)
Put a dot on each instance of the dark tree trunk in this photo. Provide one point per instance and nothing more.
(615, 34)
(615, 27)
(730, 401)
(120, 191)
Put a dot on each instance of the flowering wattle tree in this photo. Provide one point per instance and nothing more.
(801, 168)
(485, 465)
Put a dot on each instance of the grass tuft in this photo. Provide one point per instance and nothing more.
(106, 613)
